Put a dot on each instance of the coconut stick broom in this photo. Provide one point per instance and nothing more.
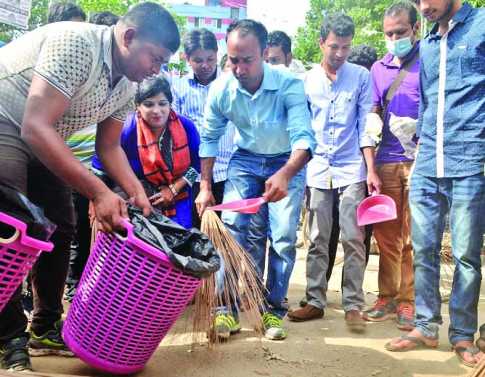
(243, 290)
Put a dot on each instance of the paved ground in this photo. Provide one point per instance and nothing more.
(317, 348)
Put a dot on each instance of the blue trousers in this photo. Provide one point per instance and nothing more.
(247, 174)
(431, 199)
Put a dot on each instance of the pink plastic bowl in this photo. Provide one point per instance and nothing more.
(129, 297)
(248, 206)
(18, 254)
(376, 209)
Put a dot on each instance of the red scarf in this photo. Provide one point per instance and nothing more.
(154, 167)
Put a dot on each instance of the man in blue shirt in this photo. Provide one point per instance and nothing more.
(274, 142)
(449, 175)
(278, 52)
(340, 98)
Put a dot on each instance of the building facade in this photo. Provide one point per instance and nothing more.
(215, 15)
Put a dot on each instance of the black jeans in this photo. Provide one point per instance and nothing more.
(82, 240)
(23, 172)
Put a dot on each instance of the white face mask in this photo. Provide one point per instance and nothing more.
(399, 48)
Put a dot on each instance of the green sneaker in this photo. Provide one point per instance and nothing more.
(49, 343)
(226, 325)
(14, 356)
(273, 327)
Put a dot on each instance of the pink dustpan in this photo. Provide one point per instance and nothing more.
(243, 205)
(376, 209)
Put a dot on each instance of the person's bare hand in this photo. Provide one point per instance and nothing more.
(374, 183)
(204, 199)
(110, 209)
(276, 187)
(164, 197)
(141, 201)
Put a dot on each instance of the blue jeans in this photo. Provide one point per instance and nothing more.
(430, 201)
(258, 236)
(247, 174)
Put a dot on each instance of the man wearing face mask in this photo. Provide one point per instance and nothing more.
(395, 83)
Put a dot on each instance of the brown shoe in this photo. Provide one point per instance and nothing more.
(354, 321)
(306, 313)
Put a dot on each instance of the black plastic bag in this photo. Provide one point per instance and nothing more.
(188, 249)
(17, 205)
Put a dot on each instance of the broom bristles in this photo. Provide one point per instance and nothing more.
(242, 285)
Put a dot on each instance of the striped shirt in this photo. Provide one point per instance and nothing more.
(189, 100)
(82, 144)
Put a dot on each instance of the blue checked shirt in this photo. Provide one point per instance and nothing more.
(272, 121)
(189, 100)
(338, 111)
(451, 126)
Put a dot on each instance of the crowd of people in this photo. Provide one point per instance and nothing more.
(91, 118)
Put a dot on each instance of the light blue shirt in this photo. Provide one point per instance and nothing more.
(338, 112)
(189, 99)
(272, 121)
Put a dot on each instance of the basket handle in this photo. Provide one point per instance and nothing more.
(129, 229)
(10, 239)
(21, 231)
(132, 238)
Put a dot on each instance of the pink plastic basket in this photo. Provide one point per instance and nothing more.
(128, 298)
(18, 254)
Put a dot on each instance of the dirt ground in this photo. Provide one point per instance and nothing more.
(316, 348)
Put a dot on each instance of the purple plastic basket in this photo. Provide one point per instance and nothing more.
(128, 298)
(18, 254)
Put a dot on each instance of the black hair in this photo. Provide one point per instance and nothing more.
(199, 39)
(104, 18)
(338, 23)
(64, 11)
(403, 6)
(248, 26)
(363, 55)
(223, 62)
(155, 24)
(281, 39)
(152, 87)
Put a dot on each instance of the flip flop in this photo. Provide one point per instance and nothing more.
(418, 344)
(459, 351)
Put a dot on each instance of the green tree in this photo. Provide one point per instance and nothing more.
(367, 16)
(38, 14)
(118, 7)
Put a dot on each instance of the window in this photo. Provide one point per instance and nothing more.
(196, 21)
(219, 23)
(235, 13)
